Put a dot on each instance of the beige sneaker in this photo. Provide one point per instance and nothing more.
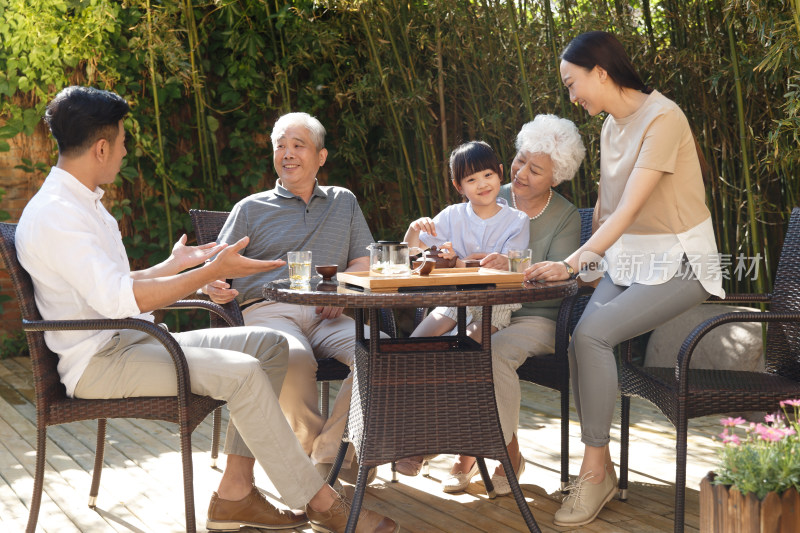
(459, 481)
(584, 501)
(501, 484)
(334, 520)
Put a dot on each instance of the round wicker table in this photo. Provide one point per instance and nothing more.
(415, 396)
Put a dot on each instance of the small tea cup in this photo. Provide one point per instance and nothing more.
(326, 271)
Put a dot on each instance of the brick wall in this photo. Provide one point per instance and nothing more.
(19, 187)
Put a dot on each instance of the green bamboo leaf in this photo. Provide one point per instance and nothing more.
(4, 146)
(213, 123)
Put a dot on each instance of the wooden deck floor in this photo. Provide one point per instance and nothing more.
(141, 485)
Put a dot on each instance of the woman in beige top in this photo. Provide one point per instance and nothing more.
(652, 238)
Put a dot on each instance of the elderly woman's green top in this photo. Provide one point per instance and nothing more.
(554, 235)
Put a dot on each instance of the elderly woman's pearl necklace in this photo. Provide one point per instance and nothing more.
(514, 203)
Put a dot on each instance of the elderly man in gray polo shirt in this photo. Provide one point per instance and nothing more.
(298, 214)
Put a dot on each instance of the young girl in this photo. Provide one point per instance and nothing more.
(483, 224)
(472, 229)
(650, 208)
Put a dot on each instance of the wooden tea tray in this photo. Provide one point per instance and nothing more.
(452, 278)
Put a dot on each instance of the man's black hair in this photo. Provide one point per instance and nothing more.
(80, 116)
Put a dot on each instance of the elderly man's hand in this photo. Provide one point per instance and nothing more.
(496, 261)
(220, 291)
(326, 313)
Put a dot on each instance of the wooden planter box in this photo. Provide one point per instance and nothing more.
(724, 509)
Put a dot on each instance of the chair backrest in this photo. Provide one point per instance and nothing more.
(47, 383)
(586, 223)
(207, 224)
(578, 307)
(783, 339)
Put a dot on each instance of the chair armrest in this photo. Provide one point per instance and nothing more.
(228, 312)
(564, 319)
(743, 297)
(563, 323)
(691, 341)
(161, 335)
(729, 298)
(419, 315)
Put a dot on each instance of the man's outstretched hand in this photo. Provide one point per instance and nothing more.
(191, 256)
(228, 264)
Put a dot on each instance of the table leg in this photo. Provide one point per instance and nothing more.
(505, 460)
(426, 375)
(461, 321)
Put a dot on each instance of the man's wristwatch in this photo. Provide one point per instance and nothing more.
(570, 271)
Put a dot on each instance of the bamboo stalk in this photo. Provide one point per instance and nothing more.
(197, 89)
(286, 103)
(424, 144)
(442, 115)
(740, 114)
(395, 119)
(796, 16)
(526, 91)
(648, 24)
(161, 162)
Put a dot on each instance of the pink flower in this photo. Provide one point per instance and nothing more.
(776, 418)
(730, 422)
(793, 403)
(730, 438)
(768, 433)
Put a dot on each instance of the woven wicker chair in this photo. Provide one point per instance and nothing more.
(54, 407)
(552, 370)
(207, 225)
(681, 393)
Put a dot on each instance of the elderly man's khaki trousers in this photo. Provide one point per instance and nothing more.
(311, 338)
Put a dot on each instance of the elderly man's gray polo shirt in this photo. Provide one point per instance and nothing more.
(332, 226)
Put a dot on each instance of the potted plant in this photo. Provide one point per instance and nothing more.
(756, 485)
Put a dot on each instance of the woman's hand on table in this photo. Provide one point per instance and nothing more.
(546, 271)
(326, 313)
(493, 260)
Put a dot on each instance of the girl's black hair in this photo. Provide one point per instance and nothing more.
(473, 157)
(600, 48)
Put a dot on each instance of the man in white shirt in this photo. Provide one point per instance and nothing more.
(73, 250)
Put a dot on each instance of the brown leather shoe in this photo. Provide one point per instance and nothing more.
(254, 510)
(334, 520)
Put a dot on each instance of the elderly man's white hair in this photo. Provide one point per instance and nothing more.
(556, 137)
(314, 127)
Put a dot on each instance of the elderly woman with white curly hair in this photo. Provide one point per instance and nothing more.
(549, 151)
